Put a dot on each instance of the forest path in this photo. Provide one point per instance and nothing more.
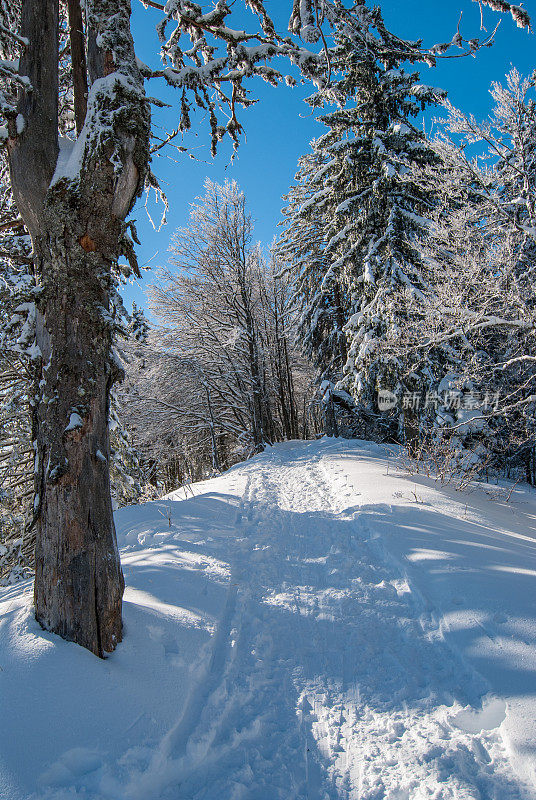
(329, 677)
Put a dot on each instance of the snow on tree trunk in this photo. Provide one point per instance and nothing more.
(74, 207)
(78, 583)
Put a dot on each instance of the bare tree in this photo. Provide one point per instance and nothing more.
(475, 331)
(225, 361)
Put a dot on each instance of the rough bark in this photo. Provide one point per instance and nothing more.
(78, 57)
(77, 228)
(33, 154)
(78, 581)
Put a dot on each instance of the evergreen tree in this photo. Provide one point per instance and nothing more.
(139, 327)
(356, 191)
(320, 292)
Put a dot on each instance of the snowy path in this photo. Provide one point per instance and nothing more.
(282, 642)
(328, 678)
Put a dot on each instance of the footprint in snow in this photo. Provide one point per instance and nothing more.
(475, 720)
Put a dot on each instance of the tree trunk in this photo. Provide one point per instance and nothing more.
(78, 232)
(411, 430)
(294, 434)
(215, 458)
(78, 581)
(330, 418)
(257, 429)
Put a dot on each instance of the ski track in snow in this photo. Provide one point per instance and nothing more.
(329, 677)
(312, 667)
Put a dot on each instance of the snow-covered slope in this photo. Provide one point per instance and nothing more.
(312, 624)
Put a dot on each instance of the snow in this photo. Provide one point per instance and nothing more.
(71, 152)
(338, 237)
(401, 129)
(312, 624)
(67, 165)
(75, 421)
(345, 205)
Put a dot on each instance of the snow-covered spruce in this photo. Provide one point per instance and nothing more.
(354, 222)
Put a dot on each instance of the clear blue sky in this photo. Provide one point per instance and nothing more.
(280, 127)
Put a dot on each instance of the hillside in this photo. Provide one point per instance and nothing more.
(311, 624)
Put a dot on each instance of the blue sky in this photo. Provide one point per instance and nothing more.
(279, 128)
